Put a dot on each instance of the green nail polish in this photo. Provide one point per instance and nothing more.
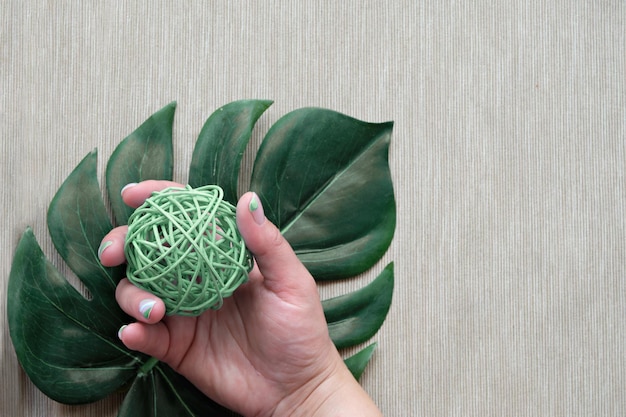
(103, 246)
(145, 308)
(254, 204)
(256, 209)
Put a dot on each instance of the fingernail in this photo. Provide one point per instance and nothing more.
(127, 186)
(103, 246)
(256, 208)
(145, 308)
(119, 332)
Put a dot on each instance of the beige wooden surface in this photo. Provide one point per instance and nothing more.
(508, 158)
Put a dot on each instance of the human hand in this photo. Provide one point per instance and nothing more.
(266, 351)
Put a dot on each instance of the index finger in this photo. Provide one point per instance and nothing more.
(134, 194)
(111, 251)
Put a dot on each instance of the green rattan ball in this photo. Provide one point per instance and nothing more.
(184, 247)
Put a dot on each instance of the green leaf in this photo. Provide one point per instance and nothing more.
(66, 344)
(145, 154)
(77, 222)
(163, 393)
(354, 318)
(324, 180)
(357, 362)
(220, 146)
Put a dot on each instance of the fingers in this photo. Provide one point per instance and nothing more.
(111, 251)
(168, 340)
(138, 303)
(151, 339)
(149, 335)
(276, 260)
(135, 194)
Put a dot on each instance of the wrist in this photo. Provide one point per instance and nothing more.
(334, 393)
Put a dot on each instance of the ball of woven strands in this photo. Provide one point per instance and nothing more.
(184, 247)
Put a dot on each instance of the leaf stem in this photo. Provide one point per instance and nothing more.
(147, 366)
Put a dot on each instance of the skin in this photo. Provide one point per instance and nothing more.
(267, 351)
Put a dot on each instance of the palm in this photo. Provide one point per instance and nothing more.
(268, 341)
(250, 350)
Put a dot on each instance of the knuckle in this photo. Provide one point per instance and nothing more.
(275, 239)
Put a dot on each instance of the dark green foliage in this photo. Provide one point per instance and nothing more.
(324, 180)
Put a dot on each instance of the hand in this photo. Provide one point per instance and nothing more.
(267, 350)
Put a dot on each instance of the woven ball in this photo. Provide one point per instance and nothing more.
(184, 247)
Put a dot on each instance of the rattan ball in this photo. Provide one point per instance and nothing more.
(183, 246)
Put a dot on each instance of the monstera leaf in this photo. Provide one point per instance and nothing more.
(324, 179)
(220, 146)
(146, 154)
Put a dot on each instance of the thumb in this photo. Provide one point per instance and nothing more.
(277, 262)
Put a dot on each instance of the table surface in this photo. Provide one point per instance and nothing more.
(508, 158)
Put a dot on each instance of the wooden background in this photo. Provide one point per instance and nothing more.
(508, 158)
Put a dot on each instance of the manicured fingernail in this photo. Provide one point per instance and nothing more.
(127, 186)
(256, 208)
(145, 307)
(103, 246)
(119, 332)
